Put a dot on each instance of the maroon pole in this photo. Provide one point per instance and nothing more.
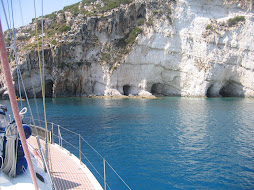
(14, 105)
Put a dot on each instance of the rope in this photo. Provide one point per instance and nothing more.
(42, 79)
(2, 162)
(20, 75)
(9, 166)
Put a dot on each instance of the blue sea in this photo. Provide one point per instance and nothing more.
(167, 143)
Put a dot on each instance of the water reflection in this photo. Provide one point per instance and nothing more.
(192, 127)
(185, 143)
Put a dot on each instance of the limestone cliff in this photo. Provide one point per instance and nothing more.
(166, 47)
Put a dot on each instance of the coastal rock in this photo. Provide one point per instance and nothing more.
(175, 48)
(145, 94)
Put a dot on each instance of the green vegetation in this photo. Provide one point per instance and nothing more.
(132, 35)
(33, 46)
(65, 28)
(208, 27)
(149, 22)
(85, 2)
(235, 20)
(141, 22)
(108, 4)
(51, 32)
(61, 27)
(56, 28)
(105, 56)
(51, 16)
(31, 32)
(7, 41)
(53, 42)
(74, 9)
(11, 58)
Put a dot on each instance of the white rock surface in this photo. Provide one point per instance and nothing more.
(175, 55)
(179, 59)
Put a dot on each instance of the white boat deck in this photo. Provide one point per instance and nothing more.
(67, 172)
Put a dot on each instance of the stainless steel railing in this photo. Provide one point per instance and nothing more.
(42, 133)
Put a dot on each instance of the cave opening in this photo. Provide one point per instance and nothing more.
(126, 90)
(231, 89)
(210, 92)
(141, 12)
(156, 89)
(48, 88)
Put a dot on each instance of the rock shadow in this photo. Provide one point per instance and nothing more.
(232, 89)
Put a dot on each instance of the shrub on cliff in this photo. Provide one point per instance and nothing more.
(111, 4)
(235, 20)
(141, 22)
(53, 42)
(208, 27)
(51, 16)
(72, 8)
(133, 34)
(65, 28)
(88, 1)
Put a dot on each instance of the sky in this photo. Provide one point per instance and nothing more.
(23, 10)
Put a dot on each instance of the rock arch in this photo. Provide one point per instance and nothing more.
(211, 91)
(231, 89)
(156, 89)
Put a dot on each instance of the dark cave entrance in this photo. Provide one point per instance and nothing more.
(126, 90)
(231, 89)
(210, 92)
(48, 88)
(141, 12)
(156, 89)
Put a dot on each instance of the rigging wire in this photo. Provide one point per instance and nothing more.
(9, 12)
(21, 13)
(16, 56)
(8, 77)
(43, 91)
(41, 77)
(26, 97)
(9, 32)
(20, 75)
(6, 17)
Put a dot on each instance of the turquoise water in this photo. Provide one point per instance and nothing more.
(170, 143)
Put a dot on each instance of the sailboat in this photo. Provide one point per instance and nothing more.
(29, 157)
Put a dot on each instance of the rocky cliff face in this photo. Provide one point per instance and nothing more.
(174, 47)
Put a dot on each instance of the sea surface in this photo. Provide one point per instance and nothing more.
(168, 143)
